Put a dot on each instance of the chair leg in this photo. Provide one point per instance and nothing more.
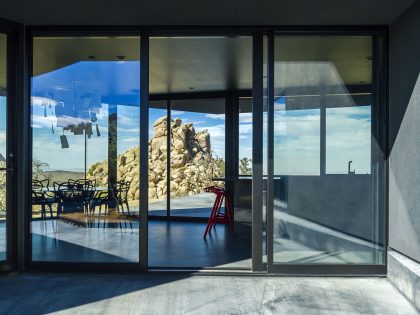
(51, 212)
(128, 208)
(43, 215)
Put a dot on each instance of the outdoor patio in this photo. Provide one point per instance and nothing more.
(164, 294)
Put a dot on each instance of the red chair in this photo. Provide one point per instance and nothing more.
(216, 215)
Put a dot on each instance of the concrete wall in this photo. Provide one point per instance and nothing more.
(404, 134)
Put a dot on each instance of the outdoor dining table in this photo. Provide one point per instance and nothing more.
(67, 198)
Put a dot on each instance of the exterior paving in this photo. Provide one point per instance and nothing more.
(167, 294)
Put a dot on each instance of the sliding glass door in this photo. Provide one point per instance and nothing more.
(85, 122)
(4, 178)
(324, 157)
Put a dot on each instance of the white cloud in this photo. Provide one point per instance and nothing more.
(216, 116)
(176, 112)
(245, 128)
(245, 117)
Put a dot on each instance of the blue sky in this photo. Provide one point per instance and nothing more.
(94, 84)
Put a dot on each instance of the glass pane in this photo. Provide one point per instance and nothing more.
(85, 107)
(194, 83)
(323, 188)
(245, 136)
(158, 178)
(3, 126)
(197, 155)
(348, 139)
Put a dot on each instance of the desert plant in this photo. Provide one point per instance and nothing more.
(245, 167)
(38, 172)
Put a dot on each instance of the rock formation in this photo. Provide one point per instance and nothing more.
(192, 165)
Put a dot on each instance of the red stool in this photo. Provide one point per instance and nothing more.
(216, 216)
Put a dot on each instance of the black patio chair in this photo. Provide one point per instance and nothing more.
(69, 198)
(121, 195)
(86, 188)
(99, 199)
(40, 199)
(40, 184)
(42, 196)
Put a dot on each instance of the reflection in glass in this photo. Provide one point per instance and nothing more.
(86, 165)
(158, 154)
(197, 155)
(348, 140)
(3, 125)
(245, 136)
(297, 141)
(324, 206)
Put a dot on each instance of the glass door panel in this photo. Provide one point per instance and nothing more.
(3, 148)
(323, 188)
(85, 106)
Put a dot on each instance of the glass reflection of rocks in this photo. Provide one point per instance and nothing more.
(193, 166)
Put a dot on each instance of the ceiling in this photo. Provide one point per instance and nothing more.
(206, 12)
(189, 64)
(202, 64)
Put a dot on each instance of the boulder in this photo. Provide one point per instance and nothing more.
(192, 165)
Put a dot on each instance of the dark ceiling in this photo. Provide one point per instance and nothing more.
(203, 12)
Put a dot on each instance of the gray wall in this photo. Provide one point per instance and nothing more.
(404, 134)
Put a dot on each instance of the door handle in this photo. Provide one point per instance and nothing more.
(7, 169)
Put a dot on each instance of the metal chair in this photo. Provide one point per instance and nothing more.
(41, 196)
(38, 199)
(86, 188)
(121, 196)
(68, 198)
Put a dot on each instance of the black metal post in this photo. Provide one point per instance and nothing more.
(270, 152)
(144, 151)
(257, 150)
(168, 157)
(112, 146)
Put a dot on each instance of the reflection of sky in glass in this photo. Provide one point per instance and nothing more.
(97, 84)
(348, 139)
(297, 140)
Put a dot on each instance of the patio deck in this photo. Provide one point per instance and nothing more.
(164, 294)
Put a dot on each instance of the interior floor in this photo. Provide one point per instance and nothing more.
(172, 244)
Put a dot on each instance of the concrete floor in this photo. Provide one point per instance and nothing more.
(171, 244)
(164, 294)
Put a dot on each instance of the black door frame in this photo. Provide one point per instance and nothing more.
(23, 249)
(13, 32)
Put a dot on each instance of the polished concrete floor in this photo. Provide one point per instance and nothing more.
(171, 244)
(164, 294)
